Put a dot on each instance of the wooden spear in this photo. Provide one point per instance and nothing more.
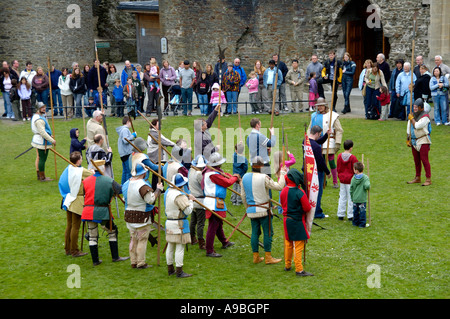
(51, 107)
(336, 70)
(159, 181)
(274, 87)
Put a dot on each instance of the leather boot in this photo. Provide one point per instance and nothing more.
(415, 180)
(256, 258)
(193, 240)
(427, 182)
(201, 244)
(170, 270)
(181, 273)
(94, 255)
(115, 252)
(270, 259)
(43, 178)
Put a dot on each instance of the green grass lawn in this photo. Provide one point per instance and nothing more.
(407, 240)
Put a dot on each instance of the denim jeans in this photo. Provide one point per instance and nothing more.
(319, 212)
(8, 105)
(203, 103)
(440, 109)
(370, 101)
(231, 101)
(78, 98)
(43, 97)
(57, 102)
(359, 214)
(347, 85)
(186, 95)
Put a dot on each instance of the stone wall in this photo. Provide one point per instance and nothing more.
(396, 19)
(249, 30)
(254, 29)
(34, 30)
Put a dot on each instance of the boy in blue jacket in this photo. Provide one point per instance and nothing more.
(118, 97)
(75, 144)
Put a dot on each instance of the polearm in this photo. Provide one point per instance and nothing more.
(368, 192)
(336, 70)
(100, 95)
(199, 203)
(158, 110)
(221, 57)
(412, 63)
(274, 86)
(51, 106)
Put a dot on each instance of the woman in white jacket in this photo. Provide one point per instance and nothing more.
(66, 93)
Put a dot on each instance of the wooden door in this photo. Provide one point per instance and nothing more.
(149, 38)
(355, 46)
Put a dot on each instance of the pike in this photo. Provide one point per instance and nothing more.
(201, 204)
(100, 94)
(158, 109)
(412, 63)
(331, 114)
(275, 85)
(221, 57)
(51, 106)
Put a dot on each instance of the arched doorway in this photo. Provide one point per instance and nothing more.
(363, 40)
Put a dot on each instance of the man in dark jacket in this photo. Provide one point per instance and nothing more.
(282, 89)
(92, 81)
(331, 68)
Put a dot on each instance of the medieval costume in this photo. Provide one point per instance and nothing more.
(138, 194)
(71, 189)
(321, 118)
(255, 196)
(295, 214)
(418, 130)
(198, 215)
(99, 190)
(178, 206)
(42, 139)
(215, 185)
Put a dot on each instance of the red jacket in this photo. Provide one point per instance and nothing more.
(345, 168)
(384, 99)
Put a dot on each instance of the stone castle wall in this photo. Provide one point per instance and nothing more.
(34, 30)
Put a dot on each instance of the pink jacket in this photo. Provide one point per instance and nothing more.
(252, 85)
(215, 97)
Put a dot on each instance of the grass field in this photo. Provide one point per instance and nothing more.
(407, 242)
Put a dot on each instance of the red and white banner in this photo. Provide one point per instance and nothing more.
(312, 176)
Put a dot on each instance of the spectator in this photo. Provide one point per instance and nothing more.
(329, 72)
(78, 87)
(167, 76)
(402, 88)
(348, 72)
(93, 82)
(445, 70)
(6, 85)
(439, 86)
(29, 74)
(24, 90)
(316, 67)
(419, 63)
(261, 96)
(231, 86)
(14, 70)
(221, 65)
(240, 70)
(41, 85)
(313, 91)
(384, 67)
(282, 90)
(153, 96)
(295, 80)
(252, 85)
(395, 102)
(118, 98)
(126, 72)
(269, 80)
(212, 77)
(85, 72)
(197, 68)
(422, 86)
(374, 79)
(111, 78)
(202, 88)
(56, 91)
(187, 80)
(66, 93)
